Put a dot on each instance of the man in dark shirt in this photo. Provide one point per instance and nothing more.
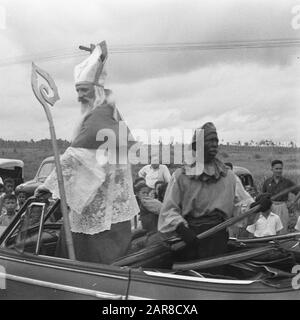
(274, 185)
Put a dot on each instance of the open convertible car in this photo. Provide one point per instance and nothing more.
(253, 268)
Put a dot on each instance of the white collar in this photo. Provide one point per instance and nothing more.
(270, 215)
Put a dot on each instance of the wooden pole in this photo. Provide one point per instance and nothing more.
(231, 221)
(222, 260)
(42, 94)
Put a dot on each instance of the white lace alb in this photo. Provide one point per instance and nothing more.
(98, 195)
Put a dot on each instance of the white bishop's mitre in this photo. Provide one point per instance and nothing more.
(91, 70)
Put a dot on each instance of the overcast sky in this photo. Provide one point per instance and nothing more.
(250, 94)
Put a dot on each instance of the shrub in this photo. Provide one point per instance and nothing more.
(257, 156)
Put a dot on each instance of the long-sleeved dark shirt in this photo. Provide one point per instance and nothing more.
(273, 188)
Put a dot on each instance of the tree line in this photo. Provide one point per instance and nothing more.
(44, 144)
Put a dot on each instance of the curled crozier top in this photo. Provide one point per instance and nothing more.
(45, 93)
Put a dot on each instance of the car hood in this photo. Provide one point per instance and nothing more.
(28, 186)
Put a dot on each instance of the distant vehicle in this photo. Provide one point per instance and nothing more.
(247, 179)
(12, 168)
(43, 172)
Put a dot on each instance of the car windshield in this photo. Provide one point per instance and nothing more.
(45, 170)
(30, 224)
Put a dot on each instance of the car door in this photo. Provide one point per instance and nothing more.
(29, 271)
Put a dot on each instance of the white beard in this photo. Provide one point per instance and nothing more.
(87, 108)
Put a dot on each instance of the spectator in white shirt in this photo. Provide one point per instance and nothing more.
(155, 172)
(268, 223)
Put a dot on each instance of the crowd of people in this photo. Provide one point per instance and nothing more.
(151, 184)
(10, 201)
(150, 187)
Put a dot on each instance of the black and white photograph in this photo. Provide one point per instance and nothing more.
(149, 150)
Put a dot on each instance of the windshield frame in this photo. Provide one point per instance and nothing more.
(43, 178)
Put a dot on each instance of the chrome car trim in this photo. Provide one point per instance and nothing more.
(208, 280)
(63, 268)
(43, 205)
(55, 286)
(150, 273)
(138, 298)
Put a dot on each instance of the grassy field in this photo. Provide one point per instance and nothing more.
(256, 159)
